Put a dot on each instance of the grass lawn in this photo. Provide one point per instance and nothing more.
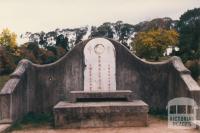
(3, 79)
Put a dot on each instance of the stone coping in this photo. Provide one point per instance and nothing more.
(126, 94)
(117, 91)
(134, 103)
(6, 121)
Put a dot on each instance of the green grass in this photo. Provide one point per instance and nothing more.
(162, 114)
(34, 120)
(3, 80)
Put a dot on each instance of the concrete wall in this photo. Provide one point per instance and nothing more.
(37, 88)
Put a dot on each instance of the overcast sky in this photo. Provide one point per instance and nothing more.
(37, 15)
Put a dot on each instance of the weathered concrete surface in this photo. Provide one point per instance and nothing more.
(197, 123)
(4, 127)
(101, 114)
(37, 88)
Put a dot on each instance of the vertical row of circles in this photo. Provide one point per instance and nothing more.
(109, 77)
(99, 71)
(90, 76)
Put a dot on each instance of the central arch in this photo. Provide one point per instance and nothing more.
(100, 66)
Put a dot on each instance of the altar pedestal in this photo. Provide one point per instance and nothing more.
(101, 114)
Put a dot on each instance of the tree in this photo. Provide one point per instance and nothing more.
(63, 42)
(43, 39)
(124, 33)
(189, 30)
(6, 61)
(8, 40)
(103, 30)
(153, 44)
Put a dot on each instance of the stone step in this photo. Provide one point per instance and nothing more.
(126, 94)
(6, 121)
(101, 114)
(197, 123)
(4, 127)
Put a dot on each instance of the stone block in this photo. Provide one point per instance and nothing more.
(100, 114)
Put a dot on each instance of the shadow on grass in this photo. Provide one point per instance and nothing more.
(161, 114)
(34, 120)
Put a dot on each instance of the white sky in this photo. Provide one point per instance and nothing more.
(37, 15)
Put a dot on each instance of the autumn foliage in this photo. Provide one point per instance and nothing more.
(8, 51)
(11, 53)
(153, 44)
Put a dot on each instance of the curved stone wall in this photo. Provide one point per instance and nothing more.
(37, 88)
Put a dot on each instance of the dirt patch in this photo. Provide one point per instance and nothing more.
(156, 125)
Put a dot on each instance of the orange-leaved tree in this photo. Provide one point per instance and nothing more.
(8, 40)
(9, 52)
(152, 44)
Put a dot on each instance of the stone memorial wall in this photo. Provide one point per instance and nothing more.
(38, 88)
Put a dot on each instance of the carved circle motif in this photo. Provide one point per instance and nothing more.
(99, 49)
